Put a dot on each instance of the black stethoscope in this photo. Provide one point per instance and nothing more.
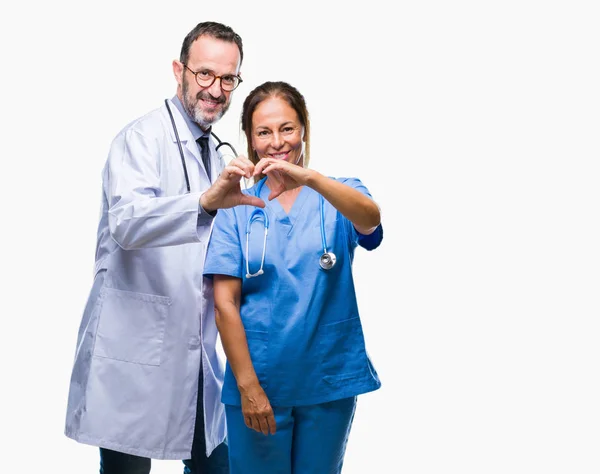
(219, 145)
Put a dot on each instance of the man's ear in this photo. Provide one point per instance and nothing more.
(178, 71)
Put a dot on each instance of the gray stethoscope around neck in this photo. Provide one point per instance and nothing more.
(219, 145)
(326, 260)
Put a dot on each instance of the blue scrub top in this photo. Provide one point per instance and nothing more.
(302, 323)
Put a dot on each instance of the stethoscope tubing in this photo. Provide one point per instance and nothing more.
(326, 261)
(185, 171)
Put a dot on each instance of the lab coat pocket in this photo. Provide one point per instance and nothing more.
(131, 326)
(342, 349)
(257, 345)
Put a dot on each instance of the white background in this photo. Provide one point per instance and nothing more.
(473, 123)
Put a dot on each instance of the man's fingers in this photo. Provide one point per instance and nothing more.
(243, 164)
(234, 170)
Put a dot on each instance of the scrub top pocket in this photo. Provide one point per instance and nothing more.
(131, 326)
(342, 349)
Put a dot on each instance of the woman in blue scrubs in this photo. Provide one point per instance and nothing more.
(285, 300)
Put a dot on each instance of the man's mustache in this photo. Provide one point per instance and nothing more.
(208, 96)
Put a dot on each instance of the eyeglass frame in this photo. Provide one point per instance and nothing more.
(215, 77)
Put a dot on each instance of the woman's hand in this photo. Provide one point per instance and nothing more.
(282, 174)
(257, 410)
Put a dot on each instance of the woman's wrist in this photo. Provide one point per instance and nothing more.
(247, 383)
(313, 179)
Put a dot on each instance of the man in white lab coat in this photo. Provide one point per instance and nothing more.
(146, 379)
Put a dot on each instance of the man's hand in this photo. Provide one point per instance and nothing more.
(226, 192)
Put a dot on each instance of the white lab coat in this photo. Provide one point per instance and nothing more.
(150, 315)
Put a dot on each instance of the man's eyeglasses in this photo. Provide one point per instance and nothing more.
(205, 78)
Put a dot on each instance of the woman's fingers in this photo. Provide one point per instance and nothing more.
(261, 420)
(250, 200)
(272, 163)
(261, 165)
(263, 424)
(269, 169)
(271, 422)
(257, 411)
(275, 193)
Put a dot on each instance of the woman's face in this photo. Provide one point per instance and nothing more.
(277, 131)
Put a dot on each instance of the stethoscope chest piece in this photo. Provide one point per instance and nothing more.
(327, 260)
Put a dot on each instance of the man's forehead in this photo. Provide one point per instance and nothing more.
(207, 50)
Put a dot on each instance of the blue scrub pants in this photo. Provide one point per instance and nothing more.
(309, 439)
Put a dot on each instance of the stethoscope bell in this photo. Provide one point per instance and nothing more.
(327, 260)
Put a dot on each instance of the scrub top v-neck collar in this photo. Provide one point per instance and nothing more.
(287, 219)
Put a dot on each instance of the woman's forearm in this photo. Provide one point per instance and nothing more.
(359, 209)
(232, 332)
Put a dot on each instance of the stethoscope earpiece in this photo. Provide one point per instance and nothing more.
(250, 275)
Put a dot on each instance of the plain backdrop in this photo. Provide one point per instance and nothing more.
(473, 123)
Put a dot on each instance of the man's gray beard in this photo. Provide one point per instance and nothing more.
(196, 113)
